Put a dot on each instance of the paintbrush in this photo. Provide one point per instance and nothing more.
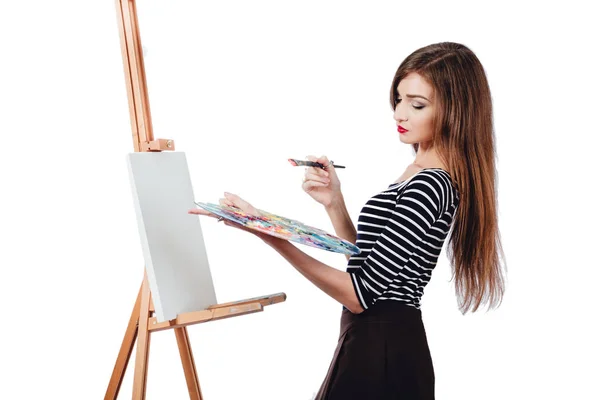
(304, 163)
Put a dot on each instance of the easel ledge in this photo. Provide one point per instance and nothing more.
(218, 311)
(142, 322)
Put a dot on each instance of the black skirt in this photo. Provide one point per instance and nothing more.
(382, 354)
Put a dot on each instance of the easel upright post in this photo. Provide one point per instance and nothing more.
(142, 323)
(143, 140)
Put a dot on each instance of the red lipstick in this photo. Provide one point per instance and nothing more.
(401, 129)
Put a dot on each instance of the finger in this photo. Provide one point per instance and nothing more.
(323, 160)
(314, 177)
(241, 203)
(310, 185)
(225, 202)
(313, 169)
(198, 211)
(328, 165)
(235, 200)
(316, 171)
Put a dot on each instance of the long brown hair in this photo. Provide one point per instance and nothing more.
(464, 137)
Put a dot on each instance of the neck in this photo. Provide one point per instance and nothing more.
(428, 157)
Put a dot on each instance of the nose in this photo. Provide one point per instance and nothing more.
(399, 113)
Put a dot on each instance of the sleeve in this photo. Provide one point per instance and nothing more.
(418, 207)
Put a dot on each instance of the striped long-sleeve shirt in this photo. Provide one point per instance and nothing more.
(400, 233)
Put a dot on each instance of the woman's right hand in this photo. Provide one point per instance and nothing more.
(323, 185)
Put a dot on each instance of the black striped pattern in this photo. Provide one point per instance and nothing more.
(400, 233)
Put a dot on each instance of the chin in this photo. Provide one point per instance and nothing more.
(405, 140)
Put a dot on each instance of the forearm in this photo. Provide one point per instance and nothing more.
(342, 223)
(334, 282)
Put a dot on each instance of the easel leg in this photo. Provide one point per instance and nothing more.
(143, 344)
(189, 367)
(118, 373)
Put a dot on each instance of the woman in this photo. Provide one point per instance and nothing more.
(443, 108)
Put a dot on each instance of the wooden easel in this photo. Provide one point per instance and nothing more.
(142, 322)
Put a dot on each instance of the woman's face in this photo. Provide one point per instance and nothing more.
(414, 109)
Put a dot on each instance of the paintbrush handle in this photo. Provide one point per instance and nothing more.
(305, 163)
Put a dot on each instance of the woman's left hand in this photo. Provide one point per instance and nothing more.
(232, 200)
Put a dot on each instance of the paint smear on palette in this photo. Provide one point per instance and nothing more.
(284, 228)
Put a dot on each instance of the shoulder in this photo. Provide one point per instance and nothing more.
(434, 185)
(437, 177)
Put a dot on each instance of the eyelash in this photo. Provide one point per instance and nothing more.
(416, 108)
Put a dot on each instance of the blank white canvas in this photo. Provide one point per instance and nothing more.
(172, 242)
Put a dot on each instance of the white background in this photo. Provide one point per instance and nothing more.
(241, 86)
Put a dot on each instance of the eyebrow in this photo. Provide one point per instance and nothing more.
(412, 96)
